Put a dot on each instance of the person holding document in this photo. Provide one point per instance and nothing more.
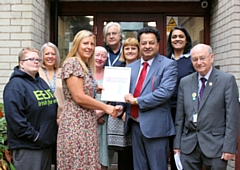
(148, 106)
(77, 142)
(117, 141)
(207, 118)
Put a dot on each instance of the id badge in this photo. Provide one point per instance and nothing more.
(195, 117)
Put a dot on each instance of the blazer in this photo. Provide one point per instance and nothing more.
(154, 101)
(216, 130)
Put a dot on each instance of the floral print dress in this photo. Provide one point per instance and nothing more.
(77, 143)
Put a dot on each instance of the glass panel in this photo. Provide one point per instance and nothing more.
(194, 26)
(130, 29)
(68, 27)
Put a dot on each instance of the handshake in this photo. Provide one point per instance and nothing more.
(114, 111)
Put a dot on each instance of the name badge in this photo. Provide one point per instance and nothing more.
(195, 118)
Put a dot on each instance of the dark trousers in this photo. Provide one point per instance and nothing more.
(148, 153)
(27, 159)
(171, 154)
(196, 159)
(125, 159)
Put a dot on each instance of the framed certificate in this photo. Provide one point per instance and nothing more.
(116, 82)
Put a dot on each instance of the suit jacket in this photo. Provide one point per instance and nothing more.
(154, 101)
(216, 130)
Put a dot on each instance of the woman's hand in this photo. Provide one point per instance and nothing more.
(124, 117)
(99, 113)
(101, 120)
(99, 89)
(111, 111)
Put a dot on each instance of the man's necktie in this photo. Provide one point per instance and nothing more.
(138, 88)
(203, 80)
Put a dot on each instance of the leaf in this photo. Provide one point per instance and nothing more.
(12, 167)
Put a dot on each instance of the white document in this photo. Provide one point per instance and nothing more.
(116, 82)
(178, 161)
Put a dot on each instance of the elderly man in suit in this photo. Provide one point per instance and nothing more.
(148, 118)
(207, 116)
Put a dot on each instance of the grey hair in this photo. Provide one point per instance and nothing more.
(49, 44)
(109, 25)
(100, 48)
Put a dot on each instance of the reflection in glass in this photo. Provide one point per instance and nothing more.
(130, 29)
(68, 27)
(194, 26)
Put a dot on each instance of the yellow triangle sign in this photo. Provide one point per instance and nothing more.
(172, 22)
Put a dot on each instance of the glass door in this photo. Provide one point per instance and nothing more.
(130, 24)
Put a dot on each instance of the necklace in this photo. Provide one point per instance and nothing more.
(52, 86)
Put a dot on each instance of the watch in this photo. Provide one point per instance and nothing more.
(135, 101)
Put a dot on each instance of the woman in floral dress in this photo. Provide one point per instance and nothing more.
(77, 143)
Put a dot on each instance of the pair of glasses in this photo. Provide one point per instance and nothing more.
(111, 33)
(33, 59)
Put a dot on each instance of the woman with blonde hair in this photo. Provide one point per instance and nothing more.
(49, 70)
(77, 143)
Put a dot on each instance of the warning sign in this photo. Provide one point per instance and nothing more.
(171, 24)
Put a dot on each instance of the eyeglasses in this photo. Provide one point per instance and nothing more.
(202, 58)
(111, 33)
(33, 59)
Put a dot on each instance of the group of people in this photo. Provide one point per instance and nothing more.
(178, 104)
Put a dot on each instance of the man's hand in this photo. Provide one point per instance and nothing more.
(176, 151)
(129, 98)
(227, 156)
(119, 109)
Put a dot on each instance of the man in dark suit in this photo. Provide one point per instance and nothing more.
(206, 124)
(152, 126)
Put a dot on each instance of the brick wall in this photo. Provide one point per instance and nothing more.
(225, 40)
(225, 36)
(22, 23)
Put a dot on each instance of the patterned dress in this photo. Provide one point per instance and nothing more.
(77, 143)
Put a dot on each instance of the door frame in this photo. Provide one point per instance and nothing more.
(132, 8)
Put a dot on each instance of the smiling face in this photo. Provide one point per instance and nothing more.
(149, 46)
(86, 48)
(100, 58)
(178, 40)
(130, 53)
(49, 57)
(30, 63)
(202, 60)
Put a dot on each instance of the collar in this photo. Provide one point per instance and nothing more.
(110, 50)
(206, 76)
(149, 61)
(187, 55)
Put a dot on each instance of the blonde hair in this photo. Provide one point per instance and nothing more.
(54, 47)
(129, 41)
(24, 51)
(74, 50)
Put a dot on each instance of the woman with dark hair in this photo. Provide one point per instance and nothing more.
(179, 45)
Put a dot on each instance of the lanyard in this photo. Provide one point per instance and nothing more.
(109, 60)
